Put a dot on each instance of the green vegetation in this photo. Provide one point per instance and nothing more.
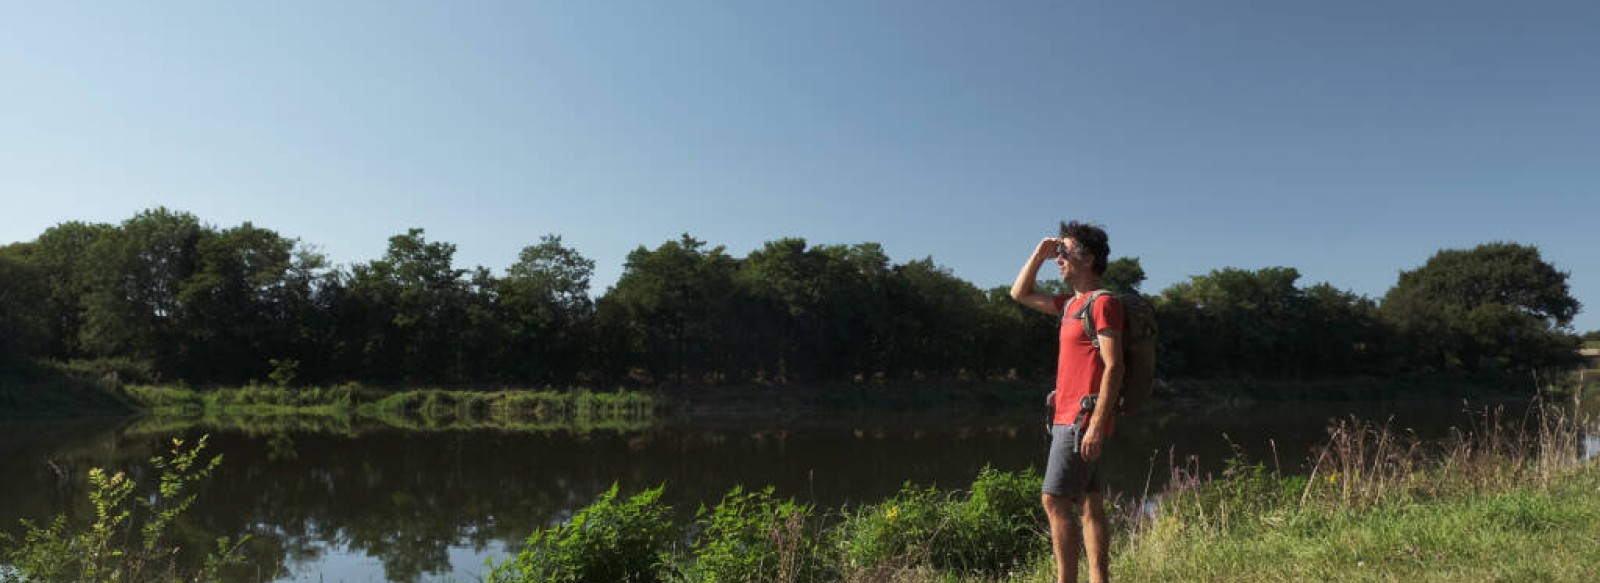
(992, 529)
(1492, 504)
(1505, 499)
(1500, 501)
(107, 549)
(164, 298)
(755, 532)
(1524, 533)
(610, 540)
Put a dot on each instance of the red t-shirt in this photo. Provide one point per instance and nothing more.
(1078, 365)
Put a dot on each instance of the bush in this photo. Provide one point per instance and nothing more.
(750, 537)
(1001, 523)
(996, 527)
(609, 541)
(895, 532)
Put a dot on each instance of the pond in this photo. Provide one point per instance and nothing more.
(384, 504)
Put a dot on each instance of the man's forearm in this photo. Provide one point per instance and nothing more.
(1023, 286)
(1110, 391)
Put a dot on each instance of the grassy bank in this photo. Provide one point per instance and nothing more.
(1525, 533)
(1498, 502)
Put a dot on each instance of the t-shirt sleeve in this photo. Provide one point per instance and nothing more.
(1108, 314)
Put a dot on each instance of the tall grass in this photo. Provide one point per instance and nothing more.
(1381, 504)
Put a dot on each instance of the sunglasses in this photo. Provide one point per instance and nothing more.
(1063, 251)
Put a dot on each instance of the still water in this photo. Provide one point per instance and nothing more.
(383, 504)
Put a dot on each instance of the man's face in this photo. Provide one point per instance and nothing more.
(1069, 257)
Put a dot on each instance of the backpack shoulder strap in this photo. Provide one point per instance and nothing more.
(1086, 314)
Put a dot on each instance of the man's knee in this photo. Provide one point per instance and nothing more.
(1092, 507)
(1058, 505)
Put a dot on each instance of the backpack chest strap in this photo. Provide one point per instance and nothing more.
(1085, 314)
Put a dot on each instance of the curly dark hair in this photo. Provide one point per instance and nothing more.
(1091, 237)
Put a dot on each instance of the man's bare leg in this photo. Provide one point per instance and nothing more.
(1096, 537)
(1064, 537)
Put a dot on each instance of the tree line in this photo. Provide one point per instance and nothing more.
(163, 296)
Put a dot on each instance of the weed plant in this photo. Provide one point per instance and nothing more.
(107, 549)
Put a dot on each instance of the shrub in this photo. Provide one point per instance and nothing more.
(607, 541)
(1000, 524)
(895, 532)
(750, 536)
(997, 526)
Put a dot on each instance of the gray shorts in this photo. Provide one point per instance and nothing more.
(1066, 473)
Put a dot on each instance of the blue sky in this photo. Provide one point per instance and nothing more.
(1350, 140)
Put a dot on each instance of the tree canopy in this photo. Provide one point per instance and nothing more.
(181, 299)
(1495, 307)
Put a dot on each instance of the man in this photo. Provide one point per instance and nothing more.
(1085, 377)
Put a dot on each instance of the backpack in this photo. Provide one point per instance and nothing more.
(1138, 346)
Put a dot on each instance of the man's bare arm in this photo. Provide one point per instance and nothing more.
(1110, 392)
(1022, 290)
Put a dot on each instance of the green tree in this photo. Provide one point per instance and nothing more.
(933, 331)
(1123, 274)
(406, 309)
(233, 315)
(136, 272)
(856, 311)
(1342, 332)
(545, 296)
(1234, 321)
(670, 310)
(24, 323)
(63, 257)
(1015, 340)
(1496, 308)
